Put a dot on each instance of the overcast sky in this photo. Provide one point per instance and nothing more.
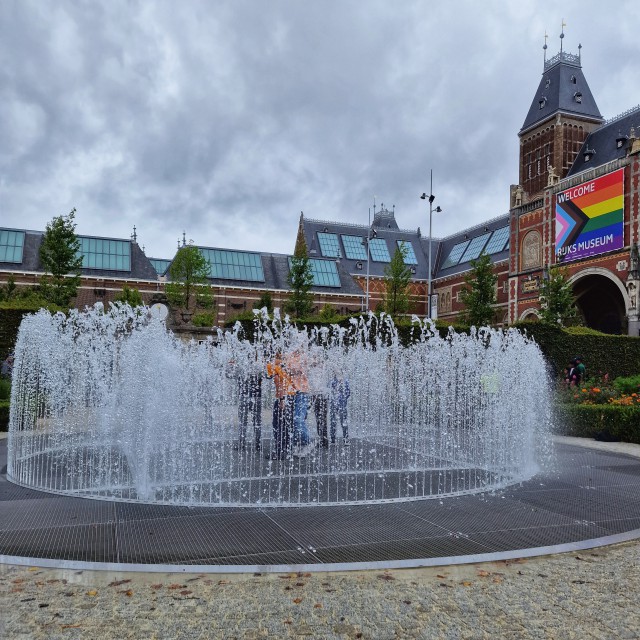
(227, 119)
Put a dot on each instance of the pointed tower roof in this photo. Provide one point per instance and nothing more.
(562, 89)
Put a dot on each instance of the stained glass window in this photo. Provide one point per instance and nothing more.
(101, 253)
(234, 265)
(11, 246)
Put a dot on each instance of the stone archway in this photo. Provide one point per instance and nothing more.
(601, 299)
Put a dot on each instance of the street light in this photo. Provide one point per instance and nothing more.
(431, 198)
(371, 233)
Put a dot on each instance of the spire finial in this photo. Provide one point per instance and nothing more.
(544, 48)
(184, 239)
(580, 53)
(134, 235)
(564, 24)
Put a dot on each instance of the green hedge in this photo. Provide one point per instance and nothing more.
(586, 420)
(602, 353)
(4, 415)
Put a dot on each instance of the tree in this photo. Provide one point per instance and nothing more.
(300, 280)
(398, 275)
(265, 300)
(129, 296)
(189, 273)
(60, 257)
(557, 302)
(479, 292)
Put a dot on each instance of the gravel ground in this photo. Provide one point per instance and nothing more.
(584, 595)
(592, 594)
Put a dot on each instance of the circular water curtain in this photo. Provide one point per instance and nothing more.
(111, 405)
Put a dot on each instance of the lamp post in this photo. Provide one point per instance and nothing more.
(365, 241)
(431, 198)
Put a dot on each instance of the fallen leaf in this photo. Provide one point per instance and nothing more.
(498, 580)
(176, 586)
(483, 574)
(156, 586)
(317, 606)
(407, 601)
(186, 592)
(306, 575)
(299, 584)
(440, 576)
(32, 569)
(465, 583)
(128, 592)
(92, 593)
(18, 581)
(17, 590)
(297, 600)
(43, 605)
(223, 582)
(386, 576)
(572, 582)
(117, 583)
(287, 622)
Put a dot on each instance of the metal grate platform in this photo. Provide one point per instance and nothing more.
(587, 495)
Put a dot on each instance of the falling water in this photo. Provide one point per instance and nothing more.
(112, 405)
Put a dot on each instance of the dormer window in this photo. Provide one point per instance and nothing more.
(588, 154)
(542, 102)
(577, 96)
(547, 84)
(620, 141)
(573, 80)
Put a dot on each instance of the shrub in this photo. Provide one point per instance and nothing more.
(586, 421)
(5, 389)
(602, 353)
(4, 415)
(629, 384)
(203, 319)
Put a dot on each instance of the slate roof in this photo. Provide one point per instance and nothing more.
(141, 268)
(603, 143)
(446, 244)
(386, 229)
(561, 85)
(276, 271)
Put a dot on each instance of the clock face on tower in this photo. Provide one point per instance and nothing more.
(159, 311)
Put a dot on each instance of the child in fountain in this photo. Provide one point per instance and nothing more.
(290, 406)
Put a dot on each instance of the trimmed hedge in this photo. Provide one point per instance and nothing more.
(602, 353)
(586, 420)
(4, 415)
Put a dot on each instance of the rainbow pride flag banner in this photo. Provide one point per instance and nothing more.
(590, 217)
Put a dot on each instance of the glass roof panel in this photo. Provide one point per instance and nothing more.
(329, 245)
(475, 247)
(410, 257)
(11, 245)
(100, 253)
(499, 239)
(354, 248)
(234, 265)
(160, 265)
(454, 255)
(379, 250)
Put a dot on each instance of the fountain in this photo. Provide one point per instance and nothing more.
(111, 405)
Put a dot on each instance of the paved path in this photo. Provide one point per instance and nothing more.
(585, 595)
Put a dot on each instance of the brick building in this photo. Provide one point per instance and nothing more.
(576, 203)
